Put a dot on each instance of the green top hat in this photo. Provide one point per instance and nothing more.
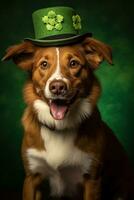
(57, 26)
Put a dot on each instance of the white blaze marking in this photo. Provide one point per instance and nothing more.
(57, 75)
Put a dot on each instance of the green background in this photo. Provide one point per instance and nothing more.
(109, 21)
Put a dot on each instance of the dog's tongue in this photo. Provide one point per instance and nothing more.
(58, 111)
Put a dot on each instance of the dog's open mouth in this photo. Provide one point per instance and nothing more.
(59, 107)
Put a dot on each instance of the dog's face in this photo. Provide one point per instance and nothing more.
(61, 75)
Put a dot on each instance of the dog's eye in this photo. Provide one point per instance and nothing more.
(44, 64)
(74, 63)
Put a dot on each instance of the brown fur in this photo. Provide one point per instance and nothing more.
(111, 175)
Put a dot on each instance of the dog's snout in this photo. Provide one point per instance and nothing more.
(58, 87)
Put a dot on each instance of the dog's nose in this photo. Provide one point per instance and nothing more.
(58, 87)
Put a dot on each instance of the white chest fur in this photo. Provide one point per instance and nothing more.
(60, 161)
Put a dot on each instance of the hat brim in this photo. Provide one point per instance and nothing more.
(59, 41)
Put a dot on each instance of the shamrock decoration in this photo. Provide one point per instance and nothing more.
(53, 21)
(76, 22)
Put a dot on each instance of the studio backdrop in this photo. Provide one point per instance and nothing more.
(110, 22)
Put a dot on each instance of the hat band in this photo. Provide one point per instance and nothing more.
(53, 37)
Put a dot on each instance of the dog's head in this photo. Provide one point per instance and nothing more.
(61, 75)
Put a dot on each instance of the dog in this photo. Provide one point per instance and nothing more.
(65, 139)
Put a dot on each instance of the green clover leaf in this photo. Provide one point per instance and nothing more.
(77, 26)
(49, 27)
(77, 18)
(53, 21)
(73, 18)
(60, 18)
(58, 26)
(76, 22)
(45, 19)
(51, 14)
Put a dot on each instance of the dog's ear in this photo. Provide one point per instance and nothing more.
(22, 55)
(96, 52)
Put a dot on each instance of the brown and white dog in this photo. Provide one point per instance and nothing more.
(65, 139)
